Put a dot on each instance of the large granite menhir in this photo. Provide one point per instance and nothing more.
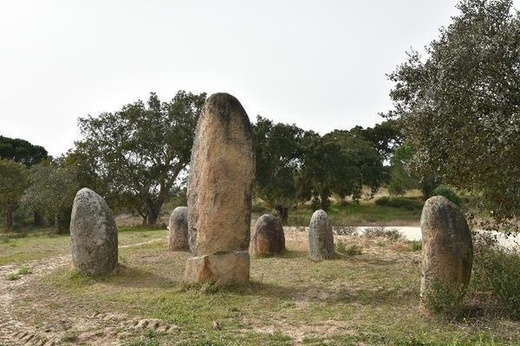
(93, 234)
(220, 187)
(447, 255)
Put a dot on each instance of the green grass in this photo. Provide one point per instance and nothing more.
(365, 213)
(367, 299)
(367, 295)
(38, 245)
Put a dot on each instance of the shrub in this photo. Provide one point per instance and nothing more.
(399, 202)
(416, 245)
(497, 270)
(446, 191)
(444, 301)
(341, 247)
(381, 232)
(352, 250)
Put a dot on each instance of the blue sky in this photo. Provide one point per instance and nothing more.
(318, 64)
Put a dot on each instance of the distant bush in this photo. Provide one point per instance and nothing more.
(381, 232)
(399, 202)
(346, 230)
(446, 191)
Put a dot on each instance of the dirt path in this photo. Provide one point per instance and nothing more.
(97, 329)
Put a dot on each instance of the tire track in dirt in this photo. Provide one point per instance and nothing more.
(97, 329)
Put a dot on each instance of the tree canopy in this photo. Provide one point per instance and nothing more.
(339, 162)
(460, 105)
(278, 159)
(51, 192)
(13, 181)
(20, 150)
(140, 150)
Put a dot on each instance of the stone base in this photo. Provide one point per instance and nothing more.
(225, 269)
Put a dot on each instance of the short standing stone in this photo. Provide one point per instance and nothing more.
(268, 236)
(93, 234)
(178, 226)
(447, 255)
(220, 187)
(321, 238)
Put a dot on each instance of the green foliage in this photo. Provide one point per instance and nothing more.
(21, 151)
(444, 301)
(51, 192)
(13, 181)
(401, 178)
(497, 270)
(415, 245)
(385, 137)
(339, 162)
(140, 152)
(278, 159)
(399, 202)
(460, 106)
(446, 191)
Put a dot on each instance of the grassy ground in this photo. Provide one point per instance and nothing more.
(367, 298)
(367, 295)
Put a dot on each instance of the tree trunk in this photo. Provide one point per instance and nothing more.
(38, 219)
(283, 213)
(324, 201)
(9, 219)
(153, 214)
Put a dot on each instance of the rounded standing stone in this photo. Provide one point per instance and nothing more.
(178, 226)
(220, 189)
(222, 173)
(93, 234)
(268, 237)
(447, 255)
(321, 238)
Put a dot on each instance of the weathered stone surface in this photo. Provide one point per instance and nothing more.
(93, 234)
(447, 254)
(178, 226)
(225, 269)
(220, 184)
(321, 238)
(268, 237)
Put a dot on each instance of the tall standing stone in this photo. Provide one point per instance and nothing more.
(178, 226)
(321, 238)
(268, 236)
(447, 255)
(220, 187)
(93, 234)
